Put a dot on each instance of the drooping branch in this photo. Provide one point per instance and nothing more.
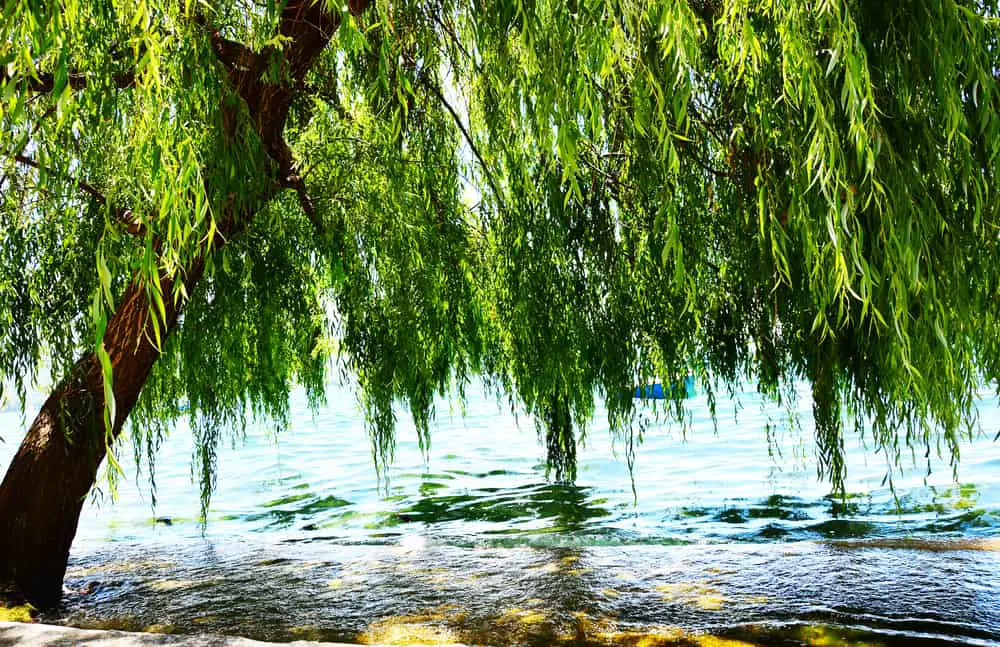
(708, 167)
(449, 29)
(306, 202)
(329, 95)
(467, 136)
(124, 215)
(46, 82)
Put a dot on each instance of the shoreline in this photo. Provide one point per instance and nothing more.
(44, 635)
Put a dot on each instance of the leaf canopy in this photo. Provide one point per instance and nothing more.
(563, 198)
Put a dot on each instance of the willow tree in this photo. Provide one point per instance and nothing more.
(207, 202)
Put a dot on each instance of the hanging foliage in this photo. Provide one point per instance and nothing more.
(564, 199)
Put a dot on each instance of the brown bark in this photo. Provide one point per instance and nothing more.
(56, 465)
(43, 492)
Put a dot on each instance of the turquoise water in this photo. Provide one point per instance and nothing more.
(730, 534)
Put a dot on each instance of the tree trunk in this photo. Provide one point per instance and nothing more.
(48, 480)
(44, 490)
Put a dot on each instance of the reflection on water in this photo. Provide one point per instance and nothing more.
(724, 545)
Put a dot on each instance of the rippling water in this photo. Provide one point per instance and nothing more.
(728, 539)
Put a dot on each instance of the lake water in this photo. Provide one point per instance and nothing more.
(726, 543)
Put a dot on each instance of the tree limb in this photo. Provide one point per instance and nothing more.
(306, 202)
(468, 138)
(46, 82)
(124, 215)
(708, 167)
(307, 28)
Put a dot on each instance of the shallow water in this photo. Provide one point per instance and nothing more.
(726, 540)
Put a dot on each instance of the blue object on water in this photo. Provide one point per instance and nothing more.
(657, 392)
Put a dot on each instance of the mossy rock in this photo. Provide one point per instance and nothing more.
(22, 613)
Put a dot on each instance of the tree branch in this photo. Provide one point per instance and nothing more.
(124, 215)
(307, 27)
(45, 82)
(614, 179)
(305, 201)
(468, 139)
(450, 31)
(707, 167)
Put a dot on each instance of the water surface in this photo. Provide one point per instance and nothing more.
(730, 538)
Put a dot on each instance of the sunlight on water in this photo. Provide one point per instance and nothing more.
(731, 539)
